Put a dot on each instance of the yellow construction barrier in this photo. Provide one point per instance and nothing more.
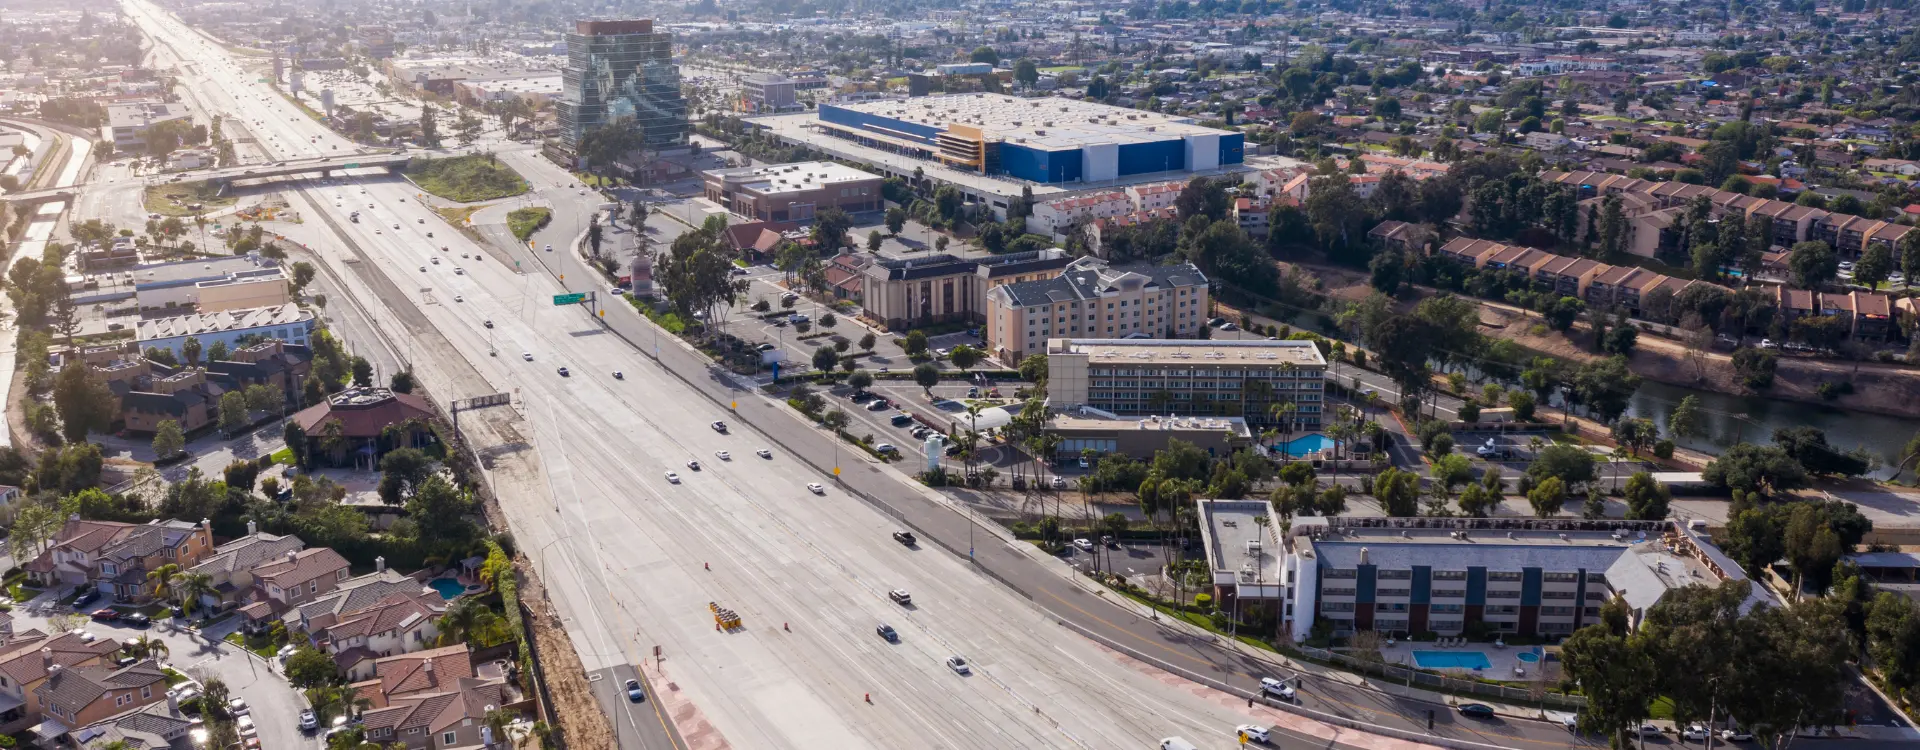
(723, 618)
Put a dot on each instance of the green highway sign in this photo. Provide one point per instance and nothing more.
(259, 80)
(569, 299)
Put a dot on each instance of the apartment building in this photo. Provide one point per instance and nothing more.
(1093, 299)
(1522, 577)
(116, 557)
(1056, 217)
(905, 292)
(1144, 377)
(794, 192)
(1848, 234)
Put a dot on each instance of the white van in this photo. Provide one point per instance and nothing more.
(1176, 743)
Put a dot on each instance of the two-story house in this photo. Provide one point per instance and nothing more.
(78, 696)
(432, 699)
(116, 557)
(25, 662)
(298, 576)
(231, 566)
(352, 595)
(397, 624)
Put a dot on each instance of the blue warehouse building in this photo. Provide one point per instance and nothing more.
(1048, 141)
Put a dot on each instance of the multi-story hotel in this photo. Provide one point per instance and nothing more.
(1144, 377)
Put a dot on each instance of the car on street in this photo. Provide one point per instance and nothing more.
(958, 665)
(458, 298)
(885, 448)
(904, 537)
(423, 269)
(1476, 710)
(764, 453)
(900, 597)
(136, 620)
(694, 465)
(1059, 482)
(1084, 544)
(719, 427)
(308, 720)
(1276, 688)
(887, 633)
(1736, 735)
(487, 323)
(764, 347)
(815, 488)
(564, 373)
(1252, 733)
(528, 356)
(1695, 732)
(238, 707)
(105, 614)
(673, 477)
(723, 455)
(635, 693)
(1649, 729)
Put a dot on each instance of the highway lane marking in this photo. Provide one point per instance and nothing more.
(1322, 697)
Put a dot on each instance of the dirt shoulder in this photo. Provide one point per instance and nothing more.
(580, 719)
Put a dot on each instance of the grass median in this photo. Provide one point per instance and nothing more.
(523, 222)
(185, 198)
(466, 178)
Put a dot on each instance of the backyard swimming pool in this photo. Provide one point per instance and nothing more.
(1301, 446)
(1527, 656)
(1451, 660)
(447, 587)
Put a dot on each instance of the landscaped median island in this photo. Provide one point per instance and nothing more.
(470, 178)
(523, 222)
(185, 198)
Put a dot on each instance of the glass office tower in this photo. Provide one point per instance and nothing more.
(621, 70)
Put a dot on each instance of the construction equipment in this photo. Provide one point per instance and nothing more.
(723, 618)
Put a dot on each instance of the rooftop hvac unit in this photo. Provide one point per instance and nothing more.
(1152, 128)
(1253, 547)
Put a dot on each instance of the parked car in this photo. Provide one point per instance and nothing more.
(105, 614)
(86, 599)
(1476, 710)
(308, 720)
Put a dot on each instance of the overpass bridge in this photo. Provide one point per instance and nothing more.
(226, 175)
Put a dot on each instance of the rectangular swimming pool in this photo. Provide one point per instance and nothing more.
(1451, 660)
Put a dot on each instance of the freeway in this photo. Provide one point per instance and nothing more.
(634, 559)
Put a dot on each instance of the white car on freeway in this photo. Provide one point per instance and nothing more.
(815, 488)
(1252, 733)
(673, 477)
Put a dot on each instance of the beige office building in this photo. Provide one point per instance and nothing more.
(1145, 377)
(923, 290)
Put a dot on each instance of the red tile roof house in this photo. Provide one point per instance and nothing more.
(25, 662)
(116, 557)
(231, 566)
(432, 699)
(364, 415)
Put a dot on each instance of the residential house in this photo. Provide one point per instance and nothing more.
(230, 568)
(397, 624)
(1399, 235)
(116, 557)
(151, 727)
(298, 576)
(352, 595)
(432, 699)
(78, 696)
(25, 661)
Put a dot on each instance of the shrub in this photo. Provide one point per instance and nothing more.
(1204, 602)
(1663, 449)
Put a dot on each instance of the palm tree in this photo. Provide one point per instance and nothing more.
(145, 647)
(1283, 413)
(189, 587)
(470, 620)
(162, 578)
